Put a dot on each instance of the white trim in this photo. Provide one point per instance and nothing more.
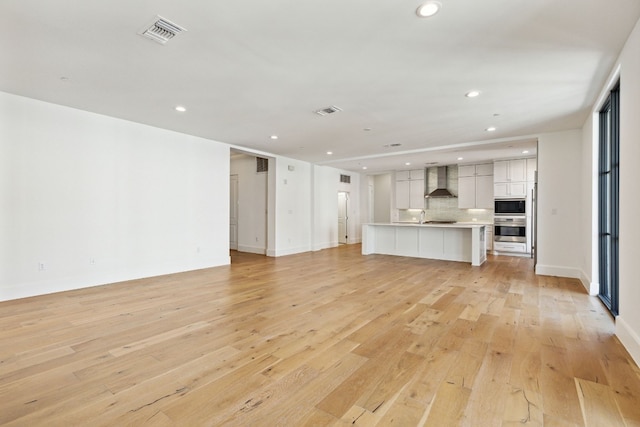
(325, 245)
(65, 284)
(604, 94)
(591, 287)
(559, 271)
(290, 251)
(251, 249)
(628, 338)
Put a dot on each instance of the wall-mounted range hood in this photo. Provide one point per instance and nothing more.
(441, 190)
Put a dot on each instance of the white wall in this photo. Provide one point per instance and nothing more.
(589, 208)
(628, 322)
(324, 210)
(252, 204)
(293, 197)
(307, 207)
(382, 198)
(88, 199)
(559, 198)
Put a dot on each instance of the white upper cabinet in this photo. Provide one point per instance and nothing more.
(475, 186)
(510, 178)
(410, 189)
(510, 170)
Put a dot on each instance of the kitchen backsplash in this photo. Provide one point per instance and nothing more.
(445, 209)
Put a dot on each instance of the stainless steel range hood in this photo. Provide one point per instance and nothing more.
(441, 190)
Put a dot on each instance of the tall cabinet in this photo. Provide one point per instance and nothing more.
(510, 178)
(515, 178)
(410, 189)
(475, 186)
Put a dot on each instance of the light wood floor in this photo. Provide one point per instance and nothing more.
(324, 338)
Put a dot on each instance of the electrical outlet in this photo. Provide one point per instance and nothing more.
(92, 261)
(41, 266)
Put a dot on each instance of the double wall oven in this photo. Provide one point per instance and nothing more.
(510, 221)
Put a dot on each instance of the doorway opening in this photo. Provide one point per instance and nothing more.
(343, 217)
(249, 204)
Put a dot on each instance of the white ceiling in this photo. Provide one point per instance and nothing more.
(246, 70)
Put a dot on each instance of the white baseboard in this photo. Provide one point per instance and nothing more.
(591, 287)
(629, 338)
(559, 271)
(288, 251)
(251, 249)
(324, 245)
(115, 274)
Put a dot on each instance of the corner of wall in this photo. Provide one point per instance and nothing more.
(559, 271)
(628, 338)
(591, 287)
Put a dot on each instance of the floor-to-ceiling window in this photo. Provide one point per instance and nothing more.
(608, 194)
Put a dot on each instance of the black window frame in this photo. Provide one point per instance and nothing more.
(609, 200)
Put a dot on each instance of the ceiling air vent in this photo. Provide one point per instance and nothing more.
(161, 30)
(329, 110)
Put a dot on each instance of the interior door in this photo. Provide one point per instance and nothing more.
(343, 199)
(233, 213)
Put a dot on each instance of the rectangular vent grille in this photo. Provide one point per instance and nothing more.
(262, 164)
(161, 30)
(329, 110)
(345, 179)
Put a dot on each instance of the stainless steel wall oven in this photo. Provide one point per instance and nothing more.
(510, 229)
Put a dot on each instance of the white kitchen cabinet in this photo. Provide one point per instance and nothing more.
(509, 247)
(466, 170)
(489, 237)
(410, 189)
(509, 189)
(510, 170)
(475, 186)
(409, 175)
(510, 178)
(484, 169)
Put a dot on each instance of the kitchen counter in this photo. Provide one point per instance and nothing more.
(463, 242)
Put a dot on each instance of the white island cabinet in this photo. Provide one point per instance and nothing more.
(450, 242)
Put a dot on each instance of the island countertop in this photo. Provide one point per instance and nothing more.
(416, 224)
(452, 242)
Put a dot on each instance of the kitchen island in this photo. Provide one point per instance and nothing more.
(450, 242)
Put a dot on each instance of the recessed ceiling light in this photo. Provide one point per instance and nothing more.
(490, 129)
(428, 9)
(408, 164)
(472, 94)
(525, 152)
(180, 108)
(329, 152)
(367, 129)
(460, 158)
(364, 167)
(274, 137)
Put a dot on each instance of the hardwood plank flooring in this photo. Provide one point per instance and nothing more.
(328, 338)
